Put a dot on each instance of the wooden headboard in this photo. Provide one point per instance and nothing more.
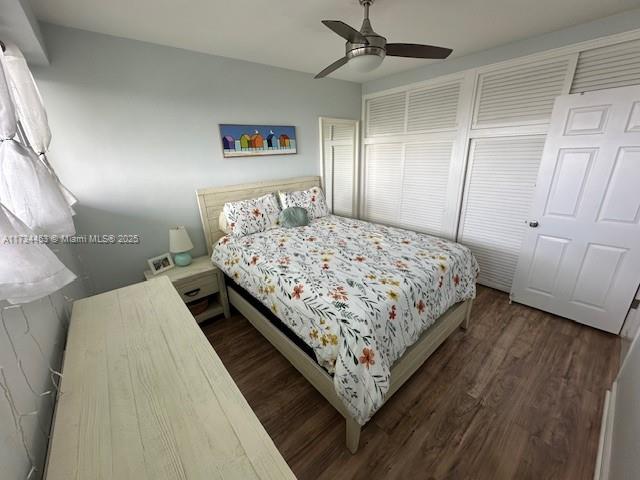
(211, 200)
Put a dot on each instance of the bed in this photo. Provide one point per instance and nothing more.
(370, 302)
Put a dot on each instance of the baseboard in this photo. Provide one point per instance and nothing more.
(606, 431)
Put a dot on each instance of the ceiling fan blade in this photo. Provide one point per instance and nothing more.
(334, 66)
(345, 31)
(414, 50)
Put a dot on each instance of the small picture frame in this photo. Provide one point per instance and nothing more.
(161, 263)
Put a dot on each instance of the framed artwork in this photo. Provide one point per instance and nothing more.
(160, 263)
(253, 140)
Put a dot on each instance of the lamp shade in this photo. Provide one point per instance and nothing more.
(179, 240)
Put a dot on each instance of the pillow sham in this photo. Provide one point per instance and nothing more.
(311, 200)
(294, 217)
(251, 216)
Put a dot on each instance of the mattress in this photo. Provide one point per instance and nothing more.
(359, 294)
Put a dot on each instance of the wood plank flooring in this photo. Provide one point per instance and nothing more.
(519, 395)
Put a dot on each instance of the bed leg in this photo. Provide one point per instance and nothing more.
(353, 434)
(467, 315)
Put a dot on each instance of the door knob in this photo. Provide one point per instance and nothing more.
(534, 224)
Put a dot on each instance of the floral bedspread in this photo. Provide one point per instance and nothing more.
(358, 293)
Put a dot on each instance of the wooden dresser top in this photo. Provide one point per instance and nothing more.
(144, 395)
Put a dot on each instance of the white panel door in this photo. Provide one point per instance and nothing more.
(339, 164)
(580, 257)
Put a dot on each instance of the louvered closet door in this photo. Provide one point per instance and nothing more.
(425, 176)
(499, 187)
(343, 180)
(340, 164)
(407, 184)
(608, 67)
(386, 114)
(501, 171)
(410, 139)
(383, 183)
(522, 95)
(433, 108)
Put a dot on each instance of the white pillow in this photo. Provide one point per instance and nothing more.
(251, 216)
(312, 200)
(222, 223)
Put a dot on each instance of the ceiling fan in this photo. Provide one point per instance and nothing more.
(366, 49)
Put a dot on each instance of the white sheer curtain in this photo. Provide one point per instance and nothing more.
(27, 187)
(30, 109)
(28, 270)
(31, 202)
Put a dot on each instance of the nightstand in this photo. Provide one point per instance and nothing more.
(196, 281)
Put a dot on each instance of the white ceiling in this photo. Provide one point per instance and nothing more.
(288, 33)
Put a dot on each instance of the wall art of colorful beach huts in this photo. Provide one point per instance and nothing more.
(250, 140)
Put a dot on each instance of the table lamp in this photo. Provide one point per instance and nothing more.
(180, 245)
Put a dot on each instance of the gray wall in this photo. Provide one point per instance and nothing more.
(135, 133)
(32, 339)
(587, 31)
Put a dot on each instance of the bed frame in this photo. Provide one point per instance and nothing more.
(211, 201)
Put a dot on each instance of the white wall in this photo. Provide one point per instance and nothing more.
(625, 433)
(135, 133)
(32, 338)
(630, 329)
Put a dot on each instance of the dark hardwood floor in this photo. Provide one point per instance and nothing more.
(519, 395)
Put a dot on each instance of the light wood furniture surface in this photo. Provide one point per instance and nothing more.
(198, 280)
(145, 396)
(519, 395)
(211, 201)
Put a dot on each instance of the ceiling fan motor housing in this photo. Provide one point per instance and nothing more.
(374, 47)
(375, 43)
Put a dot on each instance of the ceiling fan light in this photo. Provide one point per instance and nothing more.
(365, 63)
